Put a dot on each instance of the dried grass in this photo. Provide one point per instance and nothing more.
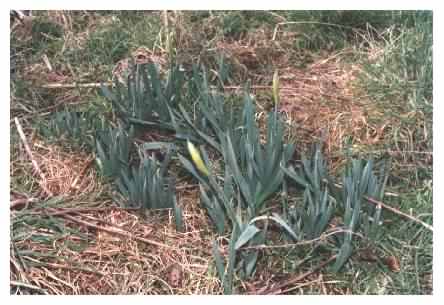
(66, 173)
(141, 55)
(110, 263)
(124, 266)
(320, 106)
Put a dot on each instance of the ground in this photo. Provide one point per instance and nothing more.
(345, 81)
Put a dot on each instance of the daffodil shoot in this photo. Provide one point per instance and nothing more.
(195, 155)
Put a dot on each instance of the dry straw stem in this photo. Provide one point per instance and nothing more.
(22, 201)
(61, 211)
(29, 286)
(323, 237)
(398, 212)
(118, 231)
(82, 172)
(393, 210)
(75, 85)
(34, 162)
(278, 25)
(98, 85)
(66, 267)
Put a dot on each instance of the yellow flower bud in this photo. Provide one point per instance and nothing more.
(195, 155)
(276, 88)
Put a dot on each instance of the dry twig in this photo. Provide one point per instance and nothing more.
(75, 85)
(398, 212)
(66, 267)
(22, 201)
(82, 172)
(392, 209)
(323, 237)
(62, 211)
(29, 286)
(98, 85)
(33, 161)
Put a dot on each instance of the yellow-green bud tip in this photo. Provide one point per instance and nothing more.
(195, 155)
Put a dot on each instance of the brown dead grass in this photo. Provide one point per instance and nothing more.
(65, 173)
(110, 263)
(130, 267)
(320, 105)
(141, 55)
(126, 266)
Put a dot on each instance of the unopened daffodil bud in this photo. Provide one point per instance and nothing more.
(276, 88)
(195, 155)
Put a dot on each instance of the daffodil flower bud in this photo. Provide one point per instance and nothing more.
(195, 155)
(276, 88)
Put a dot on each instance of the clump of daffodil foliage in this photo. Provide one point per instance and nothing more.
(249, 184)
